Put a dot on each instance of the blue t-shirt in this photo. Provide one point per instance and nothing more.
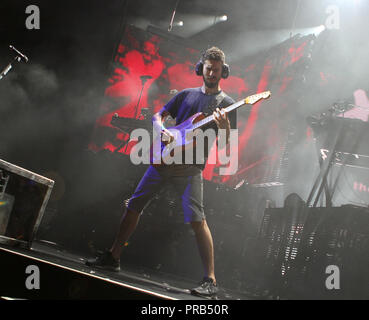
(190, 101)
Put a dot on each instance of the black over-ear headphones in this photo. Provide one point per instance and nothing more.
(200, 65)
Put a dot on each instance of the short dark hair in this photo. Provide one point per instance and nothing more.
(213, 53)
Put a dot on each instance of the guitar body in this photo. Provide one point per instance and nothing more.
(161, 152)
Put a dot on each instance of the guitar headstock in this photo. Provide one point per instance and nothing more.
(256, 97)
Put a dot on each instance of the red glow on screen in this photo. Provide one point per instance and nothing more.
(172, 67)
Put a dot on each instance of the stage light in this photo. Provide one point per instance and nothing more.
(222, 18)
(195, 23)
(178, 24)
(318, 30)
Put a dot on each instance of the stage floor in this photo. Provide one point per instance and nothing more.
(152, 283)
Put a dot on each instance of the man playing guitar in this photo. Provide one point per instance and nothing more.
(186, 178)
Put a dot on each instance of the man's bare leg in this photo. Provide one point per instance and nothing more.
(127, 227)
(206, 248)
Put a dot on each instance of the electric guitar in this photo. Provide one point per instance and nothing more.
(162, 152)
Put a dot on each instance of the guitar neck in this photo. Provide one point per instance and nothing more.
(210, 118)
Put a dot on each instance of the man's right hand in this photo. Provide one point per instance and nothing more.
(158, 119)
(166, 136)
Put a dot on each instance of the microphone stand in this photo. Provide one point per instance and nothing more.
(143, 80)
(125, 143)
(9, 66)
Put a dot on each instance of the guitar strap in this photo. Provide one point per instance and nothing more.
(218, 100)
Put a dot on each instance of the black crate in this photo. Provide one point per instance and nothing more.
(23, 199)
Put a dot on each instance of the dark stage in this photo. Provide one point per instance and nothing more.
(67, 277)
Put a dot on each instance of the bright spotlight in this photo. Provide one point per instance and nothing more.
(220, 19)
(313, 30)
(318, 30)
(178, 24)
(223, 18)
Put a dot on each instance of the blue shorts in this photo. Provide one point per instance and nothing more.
(186, 180)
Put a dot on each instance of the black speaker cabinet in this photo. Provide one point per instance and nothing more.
(23, 199)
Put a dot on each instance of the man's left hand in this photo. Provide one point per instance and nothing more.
(221, 119)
